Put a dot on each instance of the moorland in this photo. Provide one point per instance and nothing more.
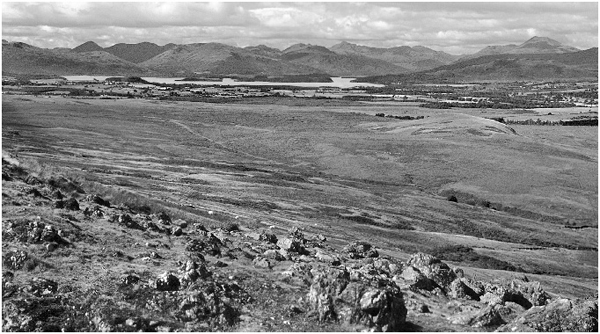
(505, 203)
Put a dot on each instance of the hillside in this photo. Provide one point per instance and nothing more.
(336, 64)
(137, 53)
(535, 45)
(582, 65)
(291, 217)
(343, 59)
(20, 58)
(416, 58)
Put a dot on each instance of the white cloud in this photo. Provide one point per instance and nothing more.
(450, 27)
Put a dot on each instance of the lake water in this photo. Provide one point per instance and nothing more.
(337, 82)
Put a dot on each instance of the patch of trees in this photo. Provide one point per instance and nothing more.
(572, 122)
(399, 117)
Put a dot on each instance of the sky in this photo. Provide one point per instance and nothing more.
(456, 28)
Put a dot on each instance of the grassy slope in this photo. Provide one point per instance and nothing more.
(305, 166)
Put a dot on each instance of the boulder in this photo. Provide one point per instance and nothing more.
(261, 262)
(327, 257)
(433, 269)
(360, 249)
(72, 204)
(130, 279)
(97, 199)
(459, 290)
(273, 255)
(291, 245)
(167, 282)
(15, 259)
(164, 218)
(561, 315)
(333, 296)
(176, 231)
(412, 278)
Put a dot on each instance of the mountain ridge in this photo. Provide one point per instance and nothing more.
(342, 59)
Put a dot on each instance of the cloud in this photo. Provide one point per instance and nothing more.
(451, 27)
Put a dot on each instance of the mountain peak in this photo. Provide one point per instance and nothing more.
(543, 45)
(88, 46)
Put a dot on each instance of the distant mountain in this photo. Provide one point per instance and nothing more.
(507, 67)
(88, 47)
(137, 53)
(535, 45)
(221, 59)
(325, 60)
(416, 58)
(535, 58)
(21, 58)
(265, 51)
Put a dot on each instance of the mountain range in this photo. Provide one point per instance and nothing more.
(534, 58)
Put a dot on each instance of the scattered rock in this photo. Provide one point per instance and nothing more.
(15, 259)
(561, 315)
(333, 296)
(41, 287)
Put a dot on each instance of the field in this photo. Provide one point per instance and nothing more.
(523, 197)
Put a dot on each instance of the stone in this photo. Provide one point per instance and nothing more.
(97, 199)
(130, 279)
(291, 245)
(177, 231)
(72, 204)
(360, 249)
(433, 269)
(273, 255)
(167, 282)
(15, 259)
(333, 296)
(459, 290)
(261, 262)
(326, 257)
(412, 278)
(164, 218)
(51, 246)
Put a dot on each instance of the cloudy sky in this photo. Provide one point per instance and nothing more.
(456, 28)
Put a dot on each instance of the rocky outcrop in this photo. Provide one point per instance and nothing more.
(333, 295)
(561, 315)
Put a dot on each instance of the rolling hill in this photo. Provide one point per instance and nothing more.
(337, 64)
(537, 58)
(20, 58)
(416, 58)
(535, 45)
(137, 53)
(507, 67)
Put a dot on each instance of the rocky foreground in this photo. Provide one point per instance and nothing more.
(73, 261)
